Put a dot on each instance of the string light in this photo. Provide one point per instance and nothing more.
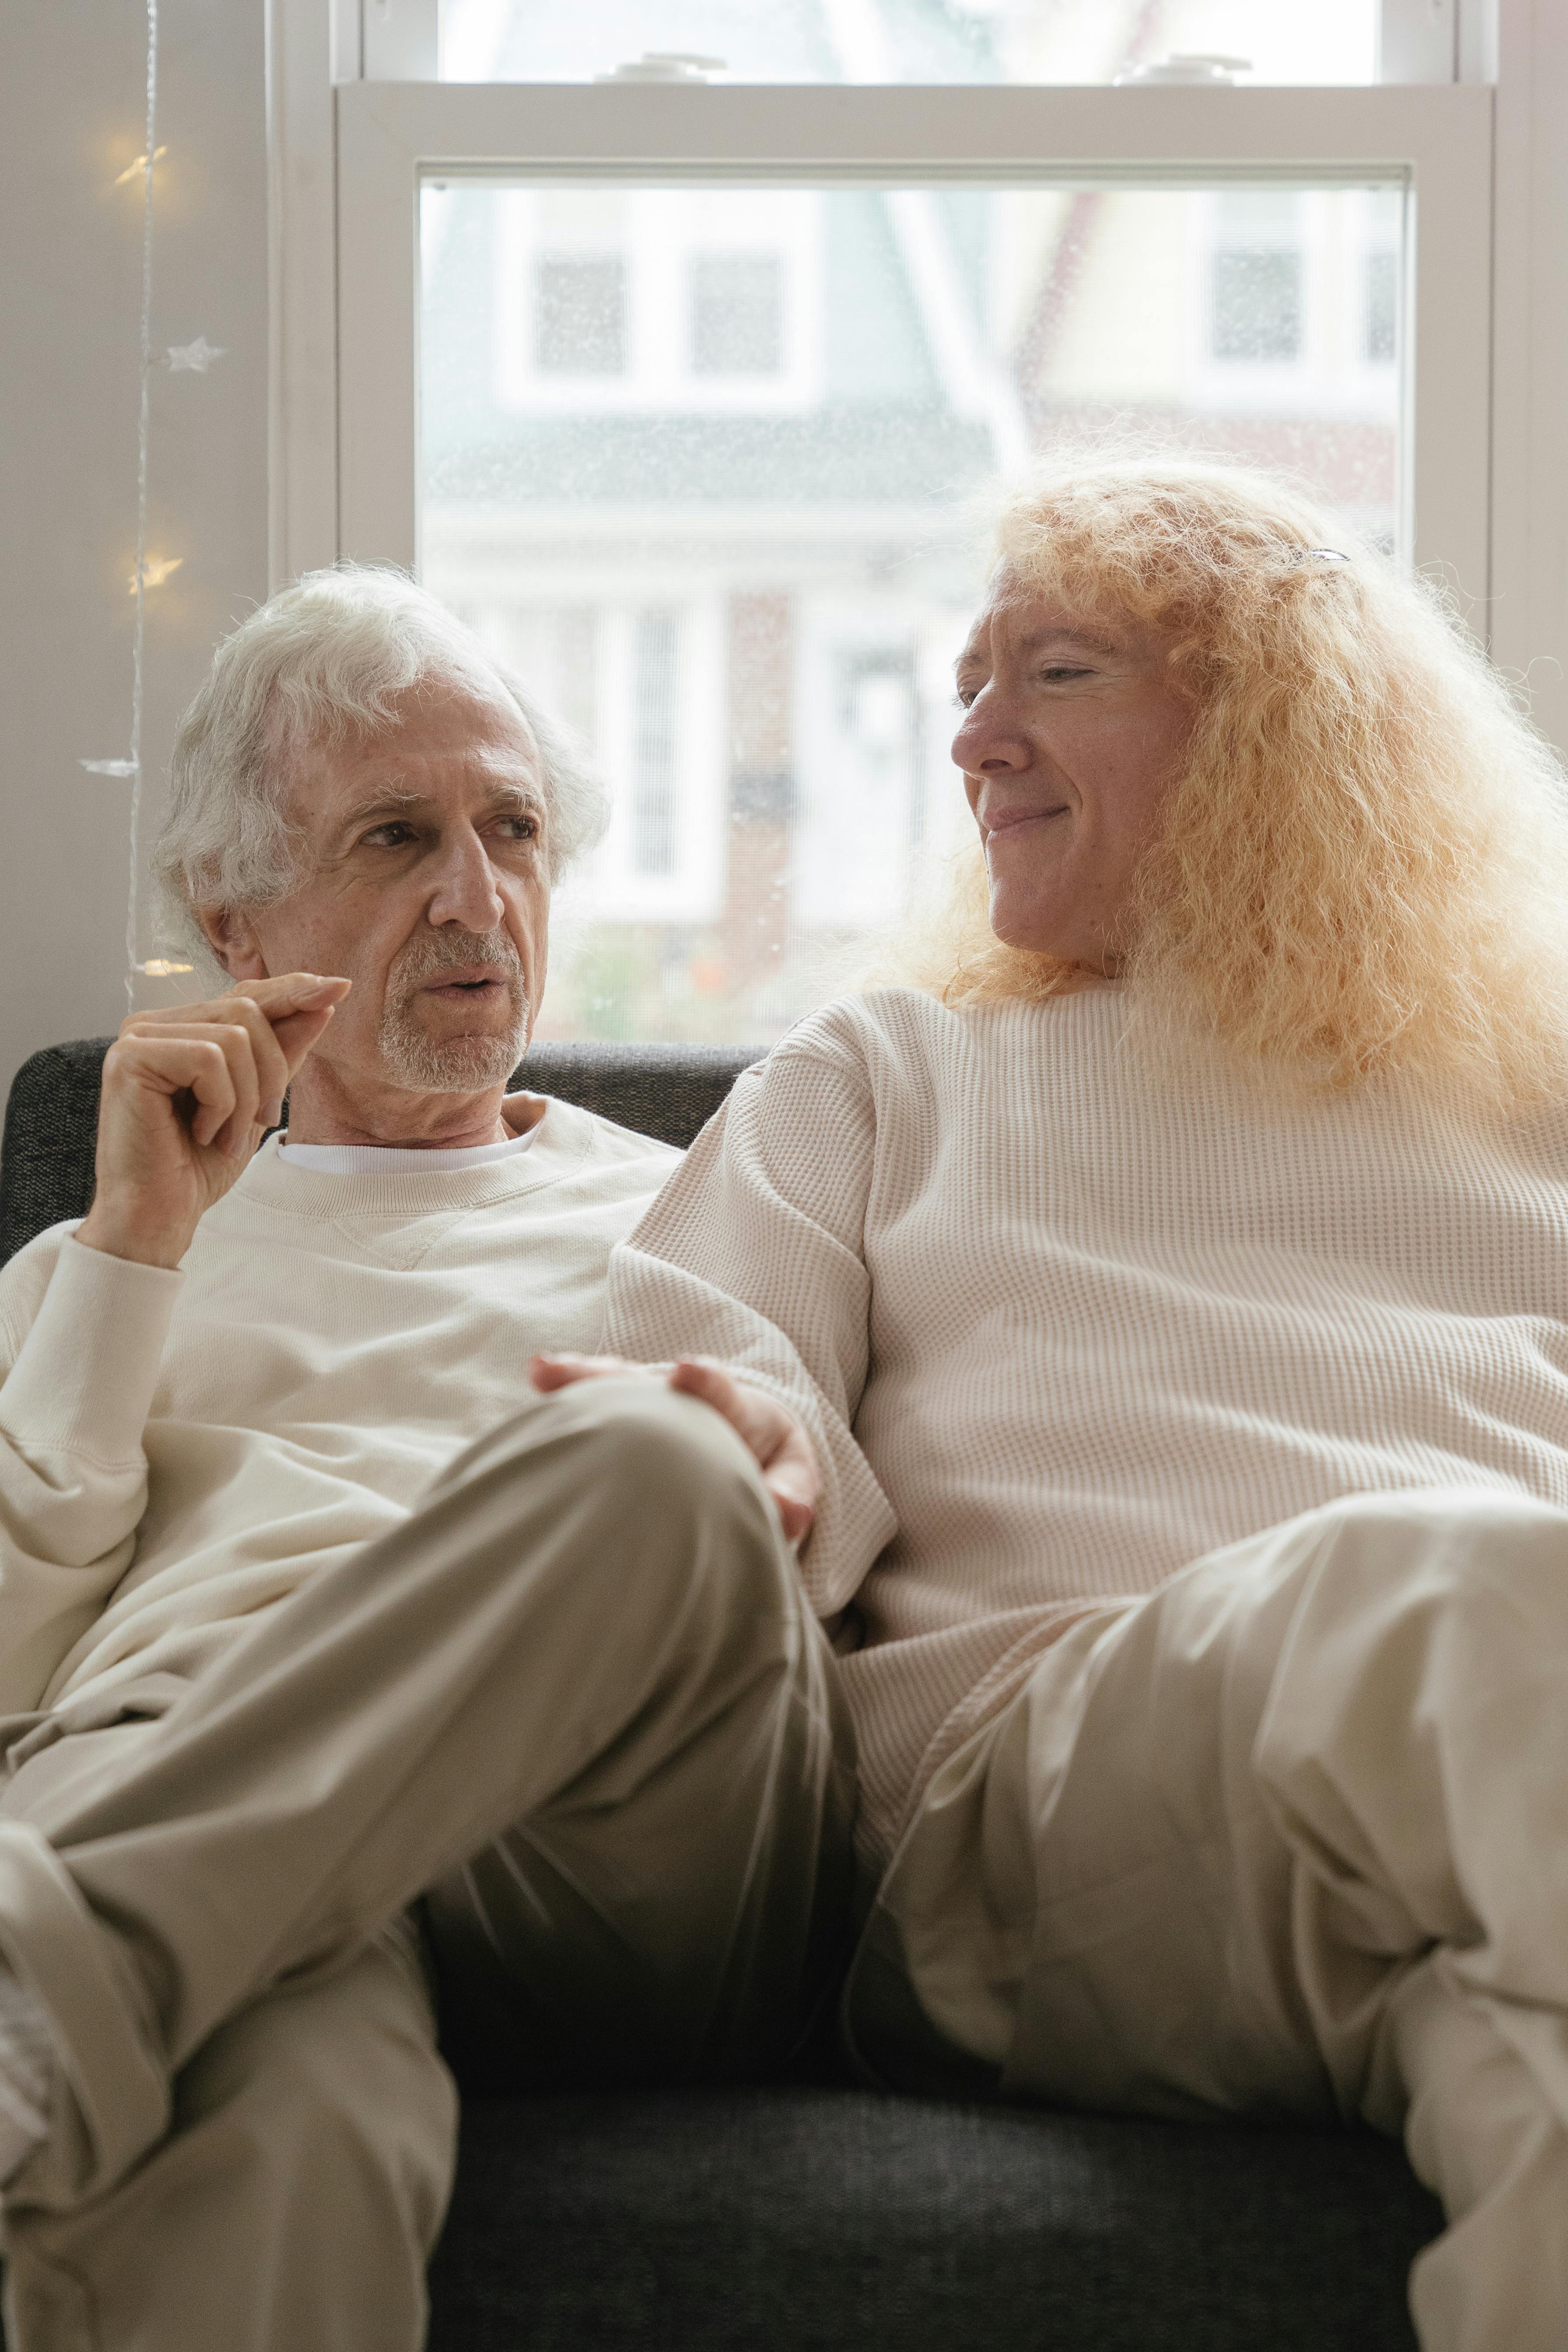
(155, 571)
(130, 170)
(149, 572)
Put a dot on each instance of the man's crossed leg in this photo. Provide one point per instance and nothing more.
(585, 1661)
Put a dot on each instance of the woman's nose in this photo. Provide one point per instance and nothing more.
(987, 739)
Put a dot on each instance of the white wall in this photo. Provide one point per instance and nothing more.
(71, 106)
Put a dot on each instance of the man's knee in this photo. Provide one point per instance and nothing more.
(660, 1475)
(647, 1434)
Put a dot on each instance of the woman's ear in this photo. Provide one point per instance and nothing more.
(232, 940)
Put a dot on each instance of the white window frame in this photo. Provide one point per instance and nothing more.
(1483, 161)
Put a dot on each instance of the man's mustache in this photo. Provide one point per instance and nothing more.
(435, 952)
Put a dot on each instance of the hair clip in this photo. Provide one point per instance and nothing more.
(1320, 555)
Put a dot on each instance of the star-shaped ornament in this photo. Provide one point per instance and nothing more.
(193, 358)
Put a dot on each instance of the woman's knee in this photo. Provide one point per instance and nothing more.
(1434, 1559)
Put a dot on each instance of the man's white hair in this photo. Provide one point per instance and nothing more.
(321, 660)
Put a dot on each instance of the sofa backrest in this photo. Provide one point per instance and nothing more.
(51, 1117)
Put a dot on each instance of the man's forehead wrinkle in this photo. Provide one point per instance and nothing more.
(498, 792)
(382, 800)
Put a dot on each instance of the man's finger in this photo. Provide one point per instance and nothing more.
(230, 1135)
(275, 1000)
(271, 1064)
(299, 1006)
(194, 1064)
(284, 1017)
(296, 1035)
(292, 992)
(255, 1066)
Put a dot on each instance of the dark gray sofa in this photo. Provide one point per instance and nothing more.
(809, 2215)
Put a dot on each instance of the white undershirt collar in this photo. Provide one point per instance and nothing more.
(394, 1160)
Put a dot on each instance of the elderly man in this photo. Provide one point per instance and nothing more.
(308, 1605)
(1180, 1319)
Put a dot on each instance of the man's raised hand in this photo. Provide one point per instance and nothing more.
(188, 1094)
(778, 1445)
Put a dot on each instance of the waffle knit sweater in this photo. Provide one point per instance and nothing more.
(179, 1451)
(1058, 1328)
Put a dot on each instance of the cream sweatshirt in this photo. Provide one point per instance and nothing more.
(1059, 1328)
(181, 1450)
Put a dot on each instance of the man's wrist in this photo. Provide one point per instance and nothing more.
(117, 1236)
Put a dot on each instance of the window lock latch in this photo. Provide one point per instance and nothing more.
(667, 65)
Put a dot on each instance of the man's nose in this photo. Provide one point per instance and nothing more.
(466, 889)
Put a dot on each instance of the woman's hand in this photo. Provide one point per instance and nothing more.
(777, 1442)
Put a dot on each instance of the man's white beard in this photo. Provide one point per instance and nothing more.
(430, 1064)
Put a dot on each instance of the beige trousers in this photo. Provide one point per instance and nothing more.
(1290, 1836)
(585, 1662)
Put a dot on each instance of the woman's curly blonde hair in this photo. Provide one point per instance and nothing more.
(1363, 867)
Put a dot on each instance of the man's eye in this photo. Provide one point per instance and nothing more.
(520, 828)
(1060, 671)
(965, 696)
(391, 836)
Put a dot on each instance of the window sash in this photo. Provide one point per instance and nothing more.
(1436, 141)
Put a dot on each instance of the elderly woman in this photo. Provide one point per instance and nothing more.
(1173, 1288)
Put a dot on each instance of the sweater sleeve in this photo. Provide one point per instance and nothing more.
(753, 1253)
(81, 1340)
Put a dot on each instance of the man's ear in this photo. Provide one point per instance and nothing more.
(232, 939)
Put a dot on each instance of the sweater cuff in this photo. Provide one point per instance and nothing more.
(84, 1377)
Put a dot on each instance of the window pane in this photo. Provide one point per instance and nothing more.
(938, 41)
(736, 314)
(1257, 304)
(700, 462)
(579, 315)
(1382, 305)
(654, 810)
